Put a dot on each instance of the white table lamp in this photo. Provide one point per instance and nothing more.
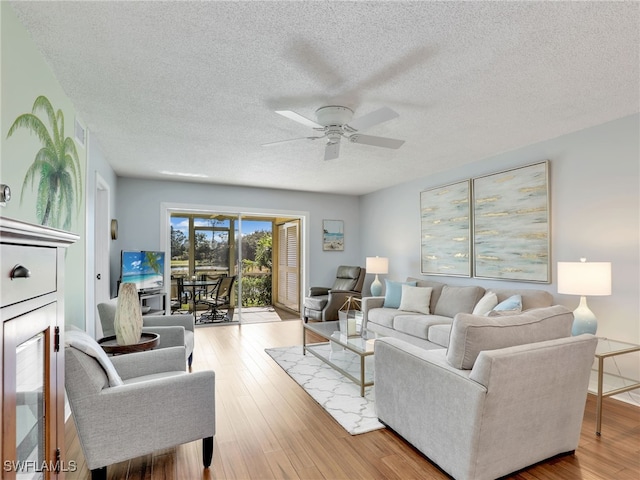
(584, 278)
(377, 265)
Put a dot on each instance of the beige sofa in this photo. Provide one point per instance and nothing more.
(508, 392)
(431, 330)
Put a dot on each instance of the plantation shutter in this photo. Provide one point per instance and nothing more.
(288, 265)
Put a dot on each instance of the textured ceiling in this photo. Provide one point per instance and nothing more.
(191, 87)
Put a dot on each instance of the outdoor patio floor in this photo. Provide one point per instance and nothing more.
(256, 315)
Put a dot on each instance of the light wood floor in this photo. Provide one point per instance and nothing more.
(269, 428)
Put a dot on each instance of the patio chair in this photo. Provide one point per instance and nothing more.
(219, 302)
(179, 296)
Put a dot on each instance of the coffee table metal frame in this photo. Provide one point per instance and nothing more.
(358, 345)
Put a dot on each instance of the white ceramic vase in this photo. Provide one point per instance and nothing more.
(128, 321)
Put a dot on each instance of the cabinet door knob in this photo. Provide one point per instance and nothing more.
(99, 277)
(20, 271)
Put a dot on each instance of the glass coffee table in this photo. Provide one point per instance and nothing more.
(351, 356)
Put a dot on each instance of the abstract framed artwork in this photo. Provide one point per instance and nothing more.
(445, 230)
(333, 235)
(511, 222)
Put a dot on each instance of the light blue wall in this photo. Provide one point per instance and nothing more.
(595, 213)
(595, 209)
(139, 209)
(96, 165)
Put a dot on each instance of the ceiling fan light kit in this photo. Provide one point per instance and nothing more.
(333, 116)
(336, 122)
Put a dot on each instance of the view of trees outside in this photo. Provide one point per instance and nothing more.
(212, 252)
(256, 268)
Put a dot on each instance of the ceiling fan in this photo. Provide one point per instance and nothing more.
(335, 122)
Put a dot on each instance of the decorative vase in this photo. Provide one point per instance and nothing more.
(128, 321)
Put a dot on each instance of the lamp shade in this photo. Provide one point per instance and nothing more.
(377, 265)
(584, 278)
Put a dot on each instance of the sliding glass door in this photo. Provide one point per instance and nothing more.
(206, 246)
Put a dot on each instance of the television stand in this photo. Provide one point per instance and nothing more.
(158, 305)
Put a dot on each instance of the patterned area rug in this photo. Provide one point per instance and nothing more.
(338, 395)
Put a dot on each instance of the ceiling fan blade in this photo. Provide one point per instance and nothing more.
(270, 144)
(383, 114)
(376, 141)
(332, 151)
(296, 117)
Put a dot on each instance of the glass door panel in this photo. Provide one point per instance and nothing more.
(212, 250)
(30, 407)
(256, 248)
(180, 246)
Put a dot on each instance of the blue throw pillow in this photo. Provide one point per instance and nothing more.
(393, 293)
(513, 303)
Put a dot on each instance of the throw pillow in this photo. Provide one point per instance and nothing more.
(486, 304)
(393, 293)
(415, 299)
(457, 299)
(82, 341)
(511, 305)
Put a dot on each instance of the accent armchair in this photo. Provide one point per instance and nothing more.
(174, 330)
(131, 405)
(323, 303)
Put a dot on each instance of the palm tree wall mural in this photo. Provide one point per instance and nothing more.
(55, 168)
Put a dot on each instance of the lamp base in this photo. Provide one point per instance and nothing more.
(376, 287)
(584, 320)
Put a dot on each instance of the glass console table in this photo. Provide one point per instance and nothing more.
(615, 384)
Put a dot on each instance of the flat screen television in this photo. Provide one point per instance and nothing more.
(145, 269)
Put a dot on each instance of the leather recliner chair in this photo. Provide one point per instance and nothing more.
(323, 303)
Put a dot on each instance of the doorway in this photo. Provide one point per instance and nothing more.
(207, 246)
(102, 246)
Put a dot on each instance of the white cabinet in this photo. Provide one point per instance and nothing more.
(32, 316)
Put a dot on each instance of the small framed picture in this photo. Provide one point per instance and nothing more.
(333, 235)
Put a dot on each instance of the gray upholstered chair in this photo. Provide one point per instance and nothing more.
(491, 403)
(132, 405)
(174, 330)
(323, 303)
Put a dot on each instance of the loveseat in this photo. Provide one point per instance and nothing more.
(508, 392)
(421, 311)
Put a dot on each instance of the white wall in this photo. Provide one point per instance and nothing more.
(139, 209)
(595, 205)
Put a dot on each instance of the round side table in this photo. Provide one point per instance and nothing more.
(147, 341)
